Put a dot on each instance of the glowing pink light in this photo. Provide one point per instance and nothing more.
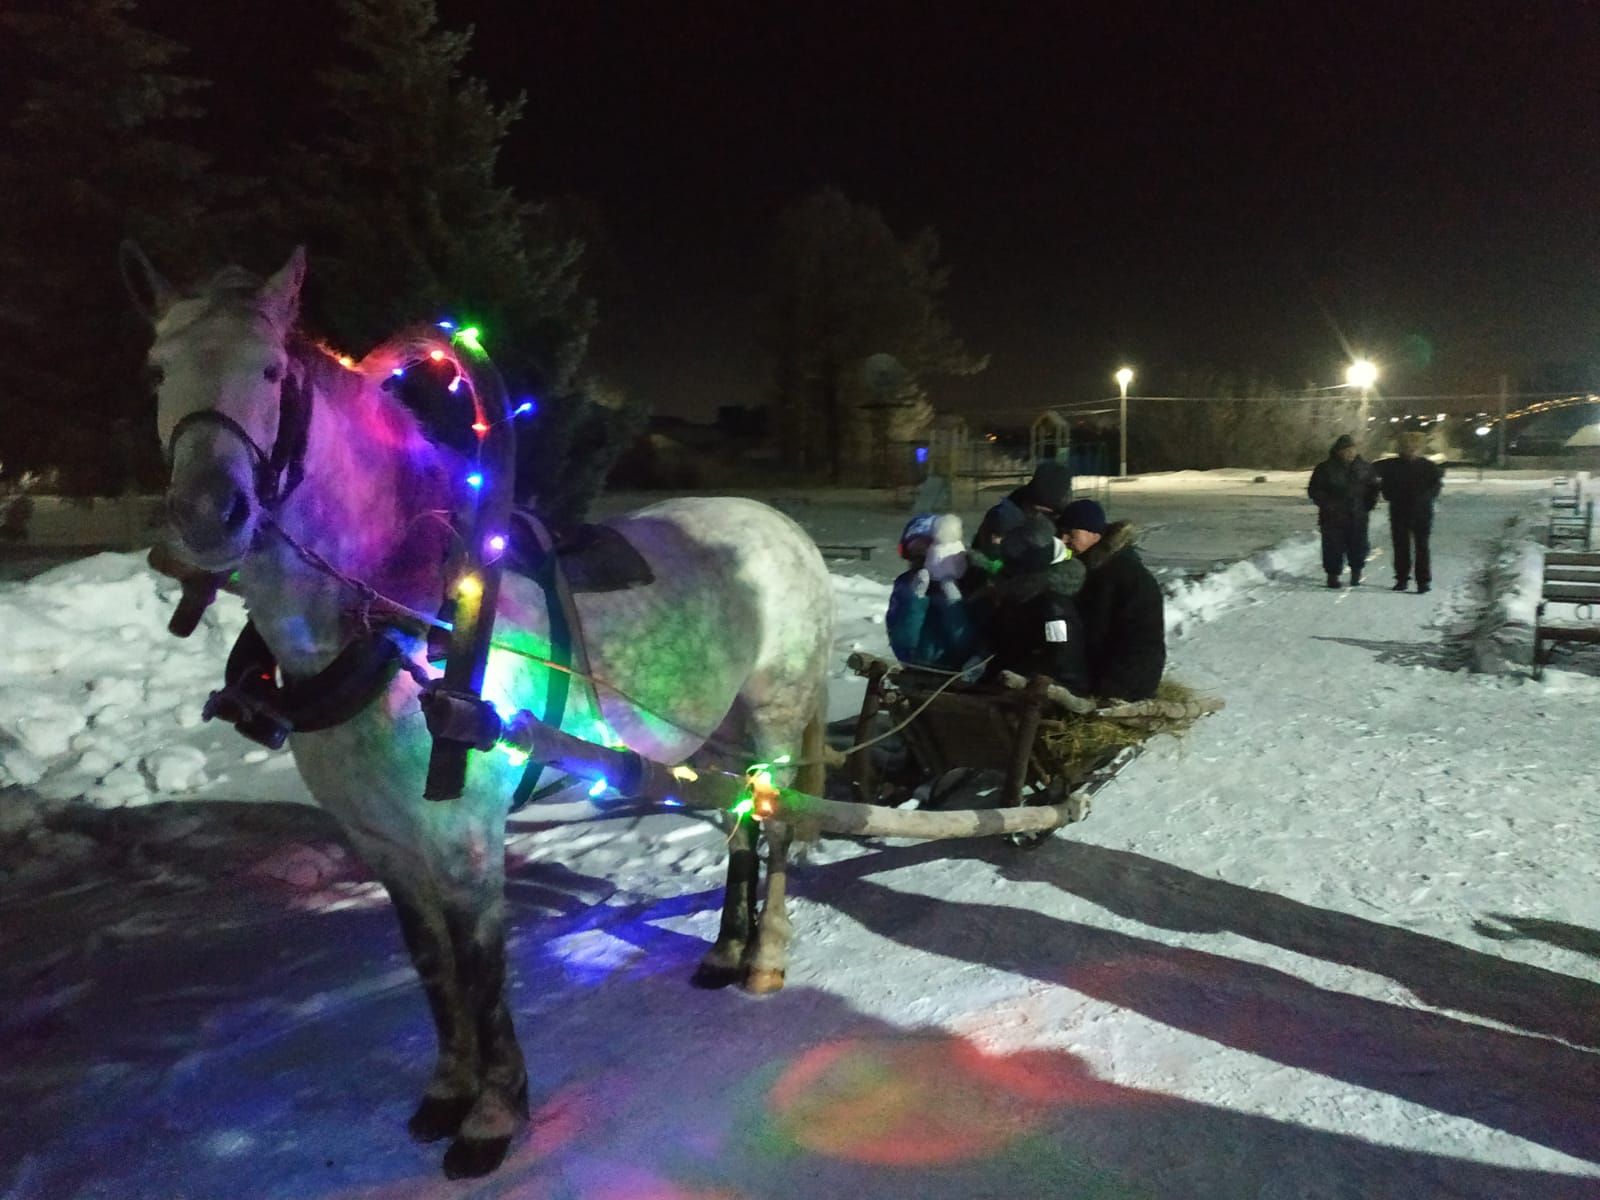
(497, 544)
(455, 385)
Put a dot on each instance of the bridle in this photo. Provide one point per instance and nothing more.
(276, 474)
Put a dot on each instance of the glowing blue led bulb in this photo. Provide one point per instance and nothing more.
(598, 788)
(475, 480)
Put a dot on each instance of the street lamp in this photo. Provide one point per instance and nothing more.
(1124, 377)
(1362, 373)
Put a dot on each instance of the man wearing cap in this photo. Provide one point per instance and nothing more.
(1344, 487)
(1046, 492)
(1124, 619)
(1411, 484)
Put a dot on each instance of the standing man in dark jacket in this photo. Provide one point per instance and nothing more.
(1123, 609)
(1344, 487)
(1411, 484)
(1033, 625)
(1046, 492)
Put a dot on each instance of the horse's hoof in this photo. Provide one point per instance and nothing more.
(763, 980)
(438, 1117)
(468, 1158)
(715, 975)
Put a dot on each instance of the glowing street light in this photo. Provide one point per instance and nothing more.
(1124, 377)
(1362, 373)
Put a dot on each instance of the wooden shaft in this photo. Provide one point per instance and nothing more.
(634, 775)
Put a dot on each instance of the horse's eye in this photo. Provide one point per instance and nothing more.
(272, 374)
(154, 375)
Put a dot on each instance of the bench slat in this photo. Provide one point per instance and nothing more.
(1568, 633)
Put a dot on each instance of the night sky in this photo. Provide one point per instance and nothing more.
(1232, 187)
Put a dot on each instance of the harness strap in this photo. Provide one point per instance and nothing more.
(546, 572)
(276, 474)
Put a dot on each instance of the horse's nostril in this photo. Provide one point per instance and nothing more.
(237, 513)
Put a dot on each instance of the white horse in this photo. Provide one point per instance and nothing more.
(730, 639)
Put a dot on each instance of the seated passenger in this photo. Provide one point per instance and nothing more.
(1046, 492)
(1121, 603)
(928, 622)
(1033, 624)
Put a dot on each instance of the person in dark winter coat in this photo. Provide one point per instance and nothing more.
(928, 621)
(1344, 487)
(1410, 484)
(1034, 627)
(1124, 617)
(1046, 492)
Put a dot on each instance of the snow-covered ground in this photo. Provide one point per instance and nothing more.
(1340, 940)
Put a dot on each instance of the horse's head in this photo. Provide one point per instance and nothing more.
(230, 415)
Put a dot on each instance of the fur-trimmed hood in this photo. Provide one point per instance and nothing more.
(1119, 536)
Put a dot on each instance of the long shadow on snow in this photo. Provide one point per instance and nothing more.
(1440, 973)
(1530, 1086)
(1561, 934)
(1437, 656)
(230, 1046)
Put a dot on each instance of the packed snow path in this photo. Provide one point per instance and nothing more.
(1339, 941)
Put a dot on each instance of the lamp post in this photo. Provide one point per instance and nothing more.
(1362, 373)
(1124, 377)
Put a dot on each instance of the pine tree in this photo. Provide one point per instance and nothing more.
(95, 150)
(845, 288)
(405, 220)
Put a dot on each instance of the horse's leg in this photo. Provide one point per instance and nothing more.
(724, 962)
(770, 957)
(475, 914)
(770, 960)
(409, 878)
(454, 1086)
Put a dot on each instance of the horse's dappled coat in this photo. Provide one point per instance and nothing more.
(730, 640)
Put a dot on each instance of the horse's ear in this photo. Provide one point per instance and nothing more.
(152, 294)
(282, 291)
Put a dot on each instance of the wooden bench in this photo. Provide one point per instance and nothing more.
(1571, 516)
(1570, 578)
(859, 551)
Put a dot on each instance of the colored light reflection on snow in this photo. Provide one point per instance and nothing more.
(924, 1101)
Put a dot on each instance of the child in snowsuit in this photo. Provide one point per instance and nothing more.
(928, 622)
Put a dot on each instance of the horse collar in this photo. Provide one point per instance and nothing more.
(254, 702)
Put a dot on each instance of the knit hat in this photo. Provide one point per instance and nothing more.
(1031, 546)
(1341, 442)
(1086, 515)
(1050, 486)
(918, 529)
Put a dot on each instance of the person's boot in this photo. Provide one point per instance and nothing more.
(1333, 581)
(1399, 585)
(1422, 587)
(1355, 578)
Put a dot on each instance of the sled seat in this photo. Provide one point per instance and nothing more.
(963, 726)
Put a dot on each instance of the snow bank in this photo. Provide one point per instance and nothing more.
(99, 696)
(1502, 640)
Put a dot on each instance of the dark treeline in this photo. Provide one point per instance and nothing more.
(393, 187)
